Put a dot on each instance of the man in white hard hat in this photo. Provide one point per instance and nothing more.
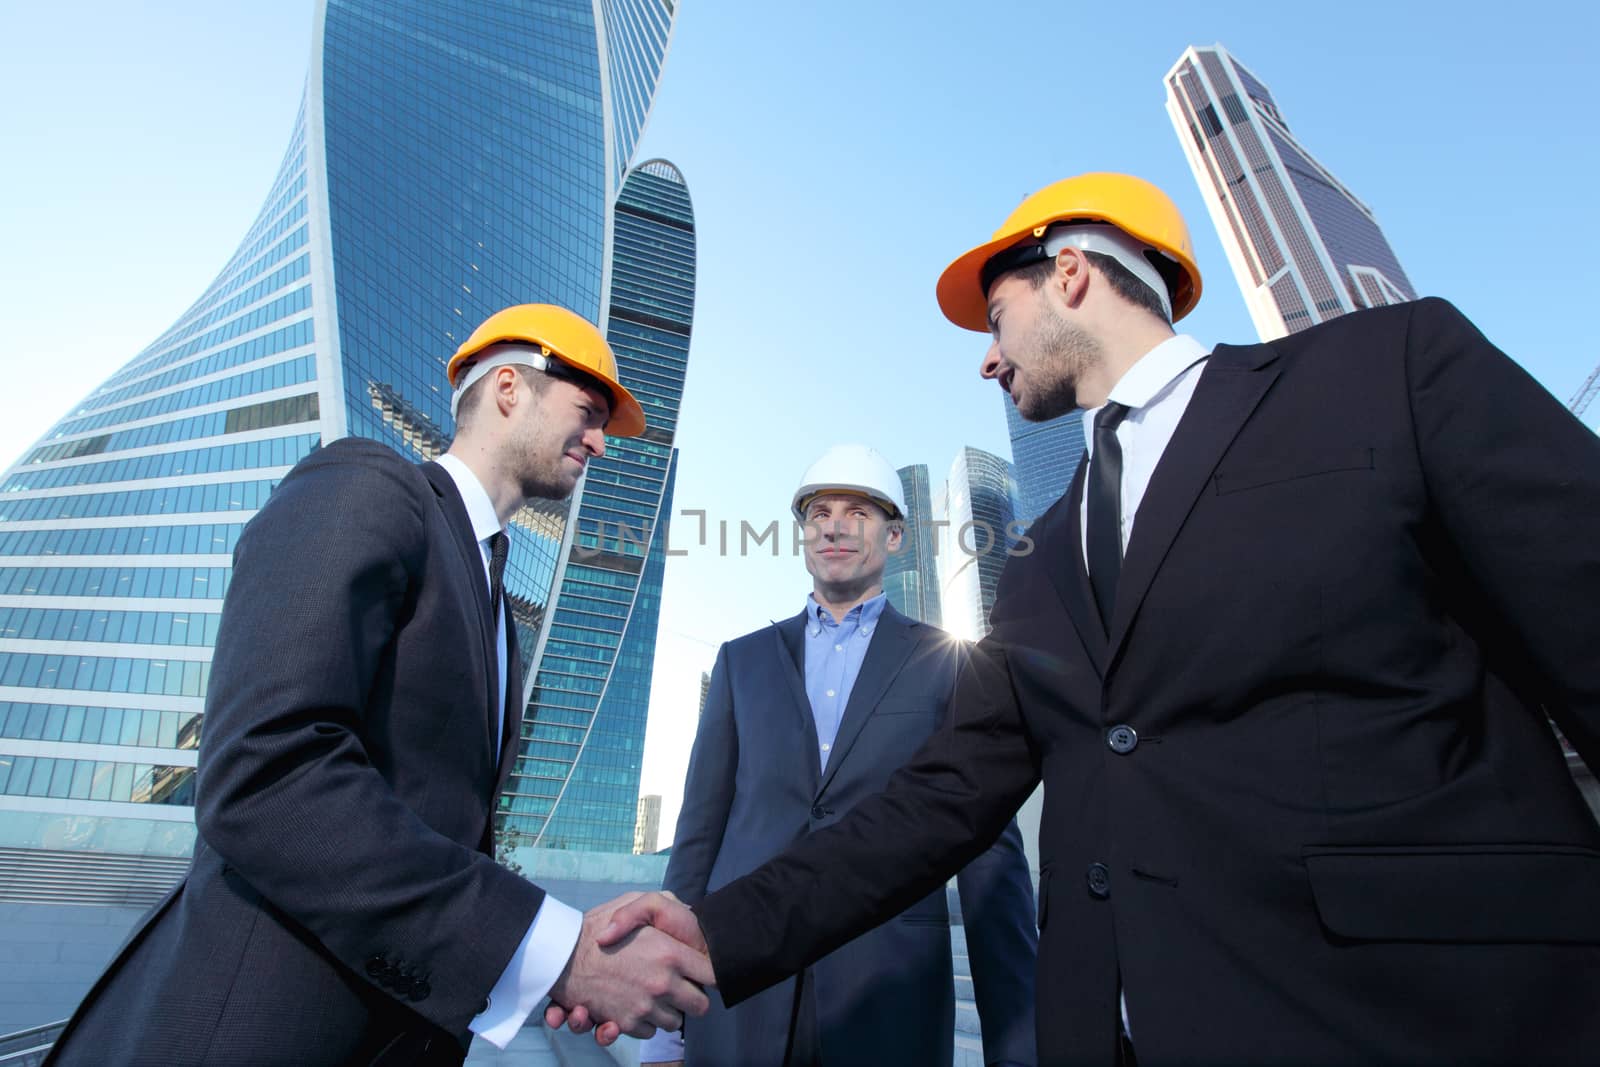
(1285, 657)
(804, 718)
(344, 905)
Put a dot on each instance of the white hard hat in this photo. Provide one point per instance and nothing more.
(852, 469)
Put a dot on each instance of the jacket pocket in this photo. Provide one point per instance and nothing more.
(1466, 894)
(1253, 475)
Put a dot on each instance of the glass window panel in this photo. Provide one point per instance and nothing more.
(6, 760)
(54, 719)
(15, 717)
(168, 737)
(82, 779)
(149, 728)
(100, 788)
(39, 785)
(72, 730)
(143, 778)
(33, 729)
(21, 775)
(119, 676)
(61, 778)
(121, 781)
(130, 727)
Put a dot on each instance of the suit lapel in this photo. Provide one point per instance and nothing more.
(1064, 563)
(789, 637)
(887, 652)
(455, 513)
(1230, 387)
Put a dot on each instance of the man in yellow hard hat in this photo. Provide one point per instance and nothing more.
(804, 719)
(343, 905)
(1283, 657)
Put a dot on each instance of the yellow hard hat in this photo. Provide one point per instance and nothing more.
(562, 335)
(1131, 204)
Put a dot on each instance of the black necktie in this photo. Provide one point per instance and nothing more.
(1104, 535)
(499, 548)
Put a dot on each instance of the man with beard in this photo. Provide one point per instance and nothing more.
(804, 719)
(1283, 656)
(343, 905)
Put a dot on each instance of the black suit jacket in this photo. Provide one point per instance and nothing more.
(756, 785)
(1339, 828)
(342, 905)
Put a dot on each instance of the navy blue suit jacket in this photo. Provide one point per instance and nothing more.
(755, 786)
(342, 906)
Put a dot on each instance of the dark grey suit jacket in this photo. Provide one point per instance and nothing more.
(755, 786)
(342, 906)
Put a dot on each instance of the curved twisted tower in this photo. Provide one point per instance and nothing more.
(446, 161)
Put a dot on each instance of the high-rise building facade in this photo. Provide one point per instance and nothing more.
(978, 506)
(576, 782)
(1303, 247)
(911, 577)
(647, 827)
(445, 163)
(1046, 455)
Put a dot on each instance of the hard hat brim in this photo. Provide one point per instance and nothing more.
(627, 416)
(965, 302)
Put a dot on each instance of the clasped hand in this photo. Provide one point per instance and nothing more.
(640, 965)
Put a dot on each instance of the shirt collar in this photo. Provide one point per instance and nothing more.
(1156, 370)
(480, 509)
(866, 613)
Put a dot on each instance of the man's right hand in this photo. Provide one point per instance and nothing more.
(639, 978)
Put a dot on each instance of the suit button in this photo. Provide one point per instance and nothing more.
(420, 989)
(376, 967)
(402, 984)
(1122, 739)
(817, 812)
(1099, 881)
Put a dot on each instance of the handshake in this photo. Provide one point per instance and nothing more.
(640, 965)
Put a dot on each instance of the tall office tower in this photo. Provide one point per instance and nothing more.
(576, 782)
(911, 578)
(705, 690)
(978, 505)
(1046, 455)
(1302, 246)
(438, 170)
(647, 829)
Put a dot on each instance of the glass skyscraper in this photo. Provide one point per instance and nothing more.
(576, 783)
(1303, 248)
(978, 506)
(911, 577)
(1046, 455)
(448, 159)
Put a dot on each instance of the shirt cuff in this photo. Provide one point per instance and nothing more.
(534, 968)
(665, 1047)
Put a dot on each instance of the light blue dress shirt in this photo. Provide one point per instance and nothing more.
(834, 653)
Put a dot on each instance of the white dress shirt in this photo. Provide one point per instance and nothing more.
(553, 934)
(1156, 392)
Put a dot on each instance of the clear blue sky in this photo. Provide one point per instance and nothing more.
(838, 154)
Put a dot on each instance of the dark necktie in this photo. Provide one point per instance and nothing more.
(499, 548)
(1104, 535)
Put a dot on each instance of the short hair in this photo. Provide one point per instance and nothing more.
(1123, 281)
(467, 407)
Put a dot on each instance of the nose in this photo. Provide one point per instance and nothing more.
(990, 367)
(594, 439)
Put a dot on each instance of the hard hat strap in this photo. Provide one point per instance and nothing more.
(506, 356)
(1108, 240)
